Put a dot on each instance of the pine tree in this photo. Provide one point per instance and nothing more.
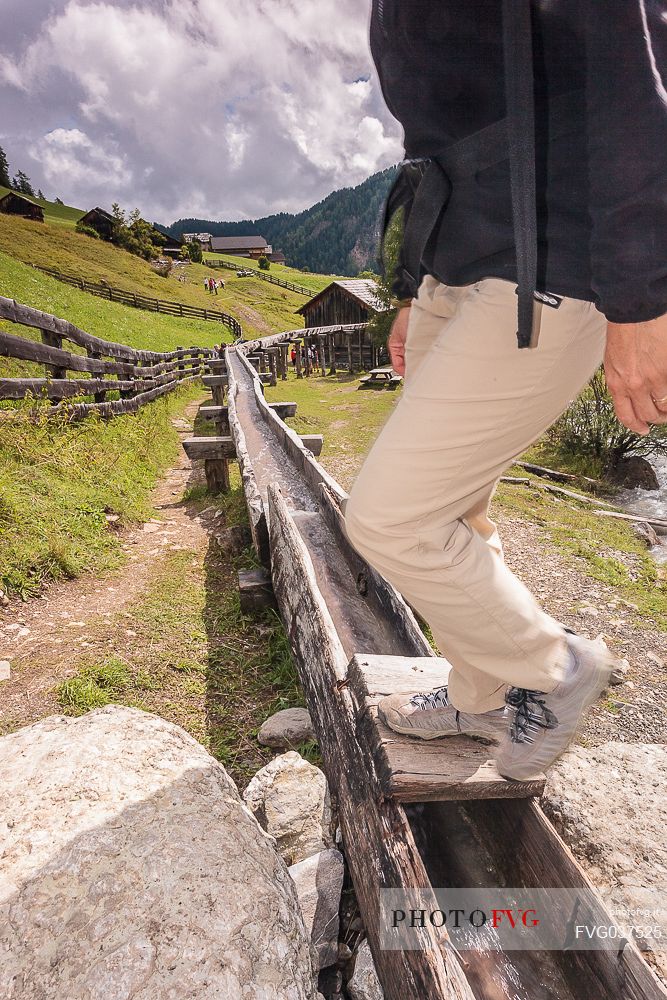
(21, 183)
(40, 194)
(4, 169)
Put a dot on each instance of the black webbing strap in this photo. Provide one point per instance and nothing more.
(520, 117)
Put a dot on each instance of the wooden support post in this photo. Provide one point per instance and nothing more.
(180, 366)
(99, 397)
(361, 350)
(273, 366)
(262, 361)
(331, 340)
(53, 340)
(255, 590)
(350, 364)
(217, 475)
(299, 373)
(284, 354)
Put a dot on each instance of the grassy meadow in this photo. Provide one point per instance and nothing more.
(260, 307)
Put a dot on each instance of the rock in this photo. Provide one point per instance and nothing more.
(290, 799)
(233, 540)
(647, 533)
(364, 984)
(131, 868)
(286, 728)
(150, 527)
(609, 803)
(634, 471)
(5, 670)
(319, 885)
(4, 600)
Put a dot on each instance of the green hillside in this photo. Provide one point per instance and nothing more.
(109, 320)
(57, 215)
(260, 307)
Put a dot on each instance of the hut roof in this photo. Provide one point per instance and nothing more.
(363, 290)
(223, 244)
(99, 212)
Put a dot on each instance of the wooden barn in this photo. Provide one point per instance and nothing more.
(345, 302)
(14, 203)
(352, 300)
(100, 221)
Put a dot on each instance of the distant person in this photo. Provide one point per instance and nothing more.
(293, 356)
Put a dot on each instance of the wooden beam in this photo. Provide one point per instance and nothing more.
(384, 852)
(255, 590)
(313, 441)
(415, 770)
(209, 448)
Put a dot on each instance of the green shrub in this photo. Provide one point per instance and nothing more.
(590, 428)
(85, 230)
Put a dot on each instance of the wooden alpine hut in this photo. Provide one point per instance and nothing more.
(14, 203)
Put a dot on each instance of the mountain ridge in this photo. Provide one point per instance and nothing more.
(338, 235)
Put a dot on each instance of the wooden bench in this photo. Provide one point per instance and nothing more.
(415, 770)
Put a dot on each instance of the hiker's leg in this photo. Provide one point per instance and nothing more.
(471, 404)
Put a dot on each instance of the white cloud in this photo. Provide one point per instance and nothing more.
(196, 107)
(88, 165)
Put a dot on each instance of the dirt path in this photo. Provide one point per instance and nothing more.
(43, 636)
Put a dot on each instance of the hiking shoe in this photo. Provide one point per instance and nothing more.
(429, 715)
(542, 725)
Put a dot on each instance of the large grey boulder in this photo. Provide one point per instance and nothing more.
(285, 729)
(319, 884)
(290, 799)
(609, 803)
(130, 868)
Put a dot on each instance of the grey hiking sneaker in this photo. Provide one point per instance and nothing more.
(542, 725)
(429, 715)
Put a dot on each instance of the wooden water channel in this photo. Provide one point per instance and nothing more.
(412, 815)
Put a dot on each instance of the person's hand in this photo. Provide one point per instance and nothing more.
(396, 340)
(635, 367)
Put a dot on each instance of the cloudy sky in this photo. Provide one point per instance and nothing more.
(223, 109)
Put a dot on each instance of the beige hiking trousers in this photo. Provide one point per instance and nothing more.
(471, 403)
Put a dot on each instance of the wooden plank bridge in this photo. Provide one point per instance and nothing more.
(354, 638)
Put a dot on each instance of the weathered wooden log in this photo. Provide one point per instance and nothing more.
(27, 316)
(253, 497)
(78, 411)
(559, 477)
(384, 853)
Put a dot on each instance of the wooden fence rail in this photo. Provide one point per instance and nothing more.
(168, 307)
(137, 376)
(300, 289)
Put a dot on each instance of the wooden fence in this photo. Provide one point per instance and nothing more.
(137, 377)
(169, 308)
(256, 273)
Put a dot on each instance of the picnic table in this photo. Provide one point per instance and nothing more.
(378, 378)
